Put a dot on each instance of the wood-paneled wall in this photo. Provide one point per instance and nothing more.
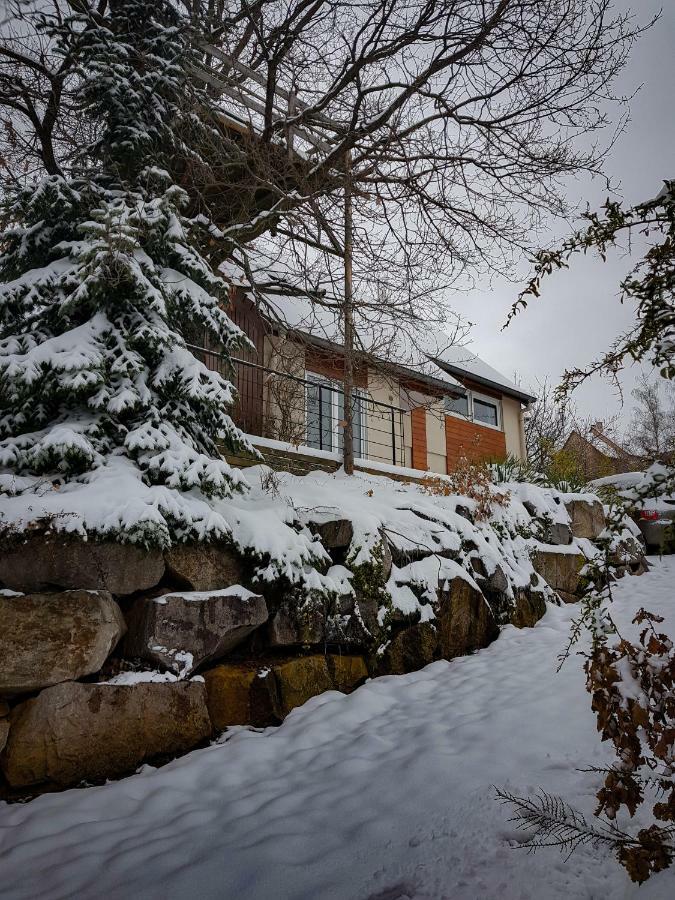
(472, 441)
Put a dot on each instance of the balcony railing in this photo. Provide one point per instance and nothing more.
(308, 410)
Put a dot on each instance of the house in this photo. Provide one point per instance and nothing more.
(596, 455)
(421, 408)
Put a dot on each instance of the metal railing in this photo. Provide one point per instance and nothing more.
(307, 411)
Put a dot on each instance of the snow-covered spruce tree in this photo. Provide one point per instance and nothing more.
(102, 280)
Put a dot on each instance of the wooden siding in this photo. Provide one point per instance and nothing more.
(247, 411)
(472, 441)
(418, 419)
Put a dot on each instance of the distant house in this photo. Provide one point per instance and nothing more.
(414, 409)
(597, 455)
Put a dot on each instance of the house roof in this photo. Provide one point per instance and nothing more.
(602, 444)
(461, 362)
(430, 353)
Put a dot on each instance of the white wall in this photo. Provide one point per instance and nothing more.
(514, 433)
(436, 454)
(380, 444)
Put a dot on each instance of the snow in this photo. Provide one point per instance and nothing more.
(131, 678)
(386, 793)
(272, 526)
(651, 489)
(234, 590)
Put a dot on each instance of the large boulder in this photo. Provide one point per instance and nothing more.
(335, 534)
(558, 533)
(75, 732)
(587, 518)
(561, 570)
(465, 620)
(299, 679)
(203, 567)
(410, 649)
(628, 555)
(529, 606)
(4, 724)
(49, 638)
(43, 561)
(244, 694)
(181, 631)
(298, 623)
(346, 672)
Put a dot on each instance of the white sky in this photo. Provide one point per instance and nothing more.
(579, 313)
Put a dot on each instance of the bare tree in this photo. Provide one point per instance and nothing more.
(651, 433)
(548, 423)
(408, 146)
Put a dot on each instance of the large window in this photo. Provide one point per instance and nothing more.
(477, 408)
(325, 416)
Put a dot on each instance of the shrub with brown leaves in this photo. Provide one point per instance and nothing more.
(472, 480)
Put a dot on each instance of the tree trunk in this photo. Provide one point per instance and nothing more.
(348, 321)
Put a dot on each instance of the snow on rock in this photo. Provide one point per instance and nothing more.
(350, 555)
(387, 792)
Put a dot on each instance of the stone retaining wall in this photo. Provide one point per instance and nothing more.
(112, 656)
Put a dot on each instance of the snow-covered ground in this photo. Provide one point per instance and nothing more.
(386, 794)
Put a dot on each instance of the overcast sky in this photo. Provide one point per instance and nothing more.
(579, 313)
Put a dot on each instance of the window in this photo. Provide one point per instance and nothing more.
(477, 408)
(458, 405)
(320, 414)
(485, 412)
(325, 416)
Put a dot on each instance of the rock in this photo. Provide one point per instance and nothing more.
(90, 732)
(497, 580)
(4, 724)
(335, 534)
(478, 566)
(411, 649)
(298, 623)
(529, 607)
(346, 672)
(382, 553)
(558, 533)
(299, 679)
(40, 561)
(465, 513)
(587, 517)
(560, 569)
(465, 620)
(403, 554)
(49, 638)
(245, 694)
(495, 589)
(242, 694)
(629, 554)
(181, 631)
(203, 567)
